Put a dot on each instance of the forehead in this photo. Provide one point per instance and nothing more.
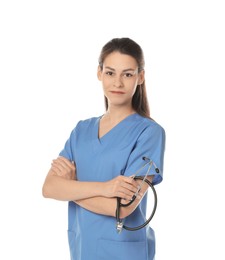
(119, 61)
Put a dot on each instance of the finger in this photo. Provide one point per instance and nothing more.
(67, 165)
(129, 187)
(130, 190)
(61, 165)
(126, 185)
(60, 169)
(124, 196)
(55, 171)
(130, 180)
(128, 197)
(127, 190)
(67, 162)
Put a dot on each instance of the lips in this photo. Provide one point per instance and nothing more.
(117, 92)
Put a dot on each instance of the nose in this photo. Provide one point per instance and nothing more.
(118, 82)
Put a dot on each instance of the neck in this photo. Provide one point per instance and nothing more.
(116, 114)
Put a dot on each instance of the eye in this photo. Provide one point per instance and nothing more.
(128, 75)
(110, 73)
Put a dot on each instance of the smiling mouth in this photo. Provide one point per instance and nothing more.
(117, 92)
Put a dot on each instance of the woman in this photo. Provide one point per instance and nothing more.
(101, 155)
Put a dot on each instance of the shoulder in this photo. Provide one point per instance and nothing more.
(149, 125)
(81, 125)
(88, 122)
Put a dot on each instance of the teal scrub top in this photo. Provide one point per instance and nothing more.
(119, 152)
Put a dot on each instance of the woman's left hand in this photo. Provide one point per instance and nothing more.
(64, 168)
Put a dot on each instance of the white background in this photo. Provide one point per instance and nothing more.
(48, 61)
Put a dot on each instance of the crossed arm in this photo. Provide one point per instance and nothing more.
(98, 197)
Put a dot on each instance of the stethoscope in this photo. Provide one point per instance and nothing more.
(119, 222)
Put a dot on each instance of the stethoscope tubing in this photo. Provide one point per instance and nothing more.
(119, 204)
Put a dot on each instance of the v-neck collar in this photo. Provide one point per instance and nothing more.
(112, 130)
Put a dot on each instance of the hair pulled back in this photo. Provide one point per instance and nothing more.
(131, 48)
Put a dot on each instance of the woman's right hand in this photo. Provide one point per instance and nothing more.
(64, 168)
(122, 187)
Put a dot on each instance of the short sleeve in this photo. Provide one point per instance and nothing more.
(150, 144)
(68, 150)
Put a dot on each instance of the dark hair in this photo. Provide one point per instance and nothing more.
(129, 47)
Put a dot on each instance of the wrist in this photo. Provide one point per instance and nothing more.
(101, 189)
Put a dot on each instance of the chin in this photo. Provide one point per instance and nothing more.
(119, 104)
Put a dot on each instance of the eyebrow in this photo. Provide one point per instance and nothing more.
(130, 69)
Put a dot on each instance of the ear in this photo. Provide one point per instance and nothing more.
(99, 73)
(141, 77)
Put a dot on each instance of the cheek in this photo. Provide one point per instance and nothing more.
(106, 83)
(104, 87)
(133, 88)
